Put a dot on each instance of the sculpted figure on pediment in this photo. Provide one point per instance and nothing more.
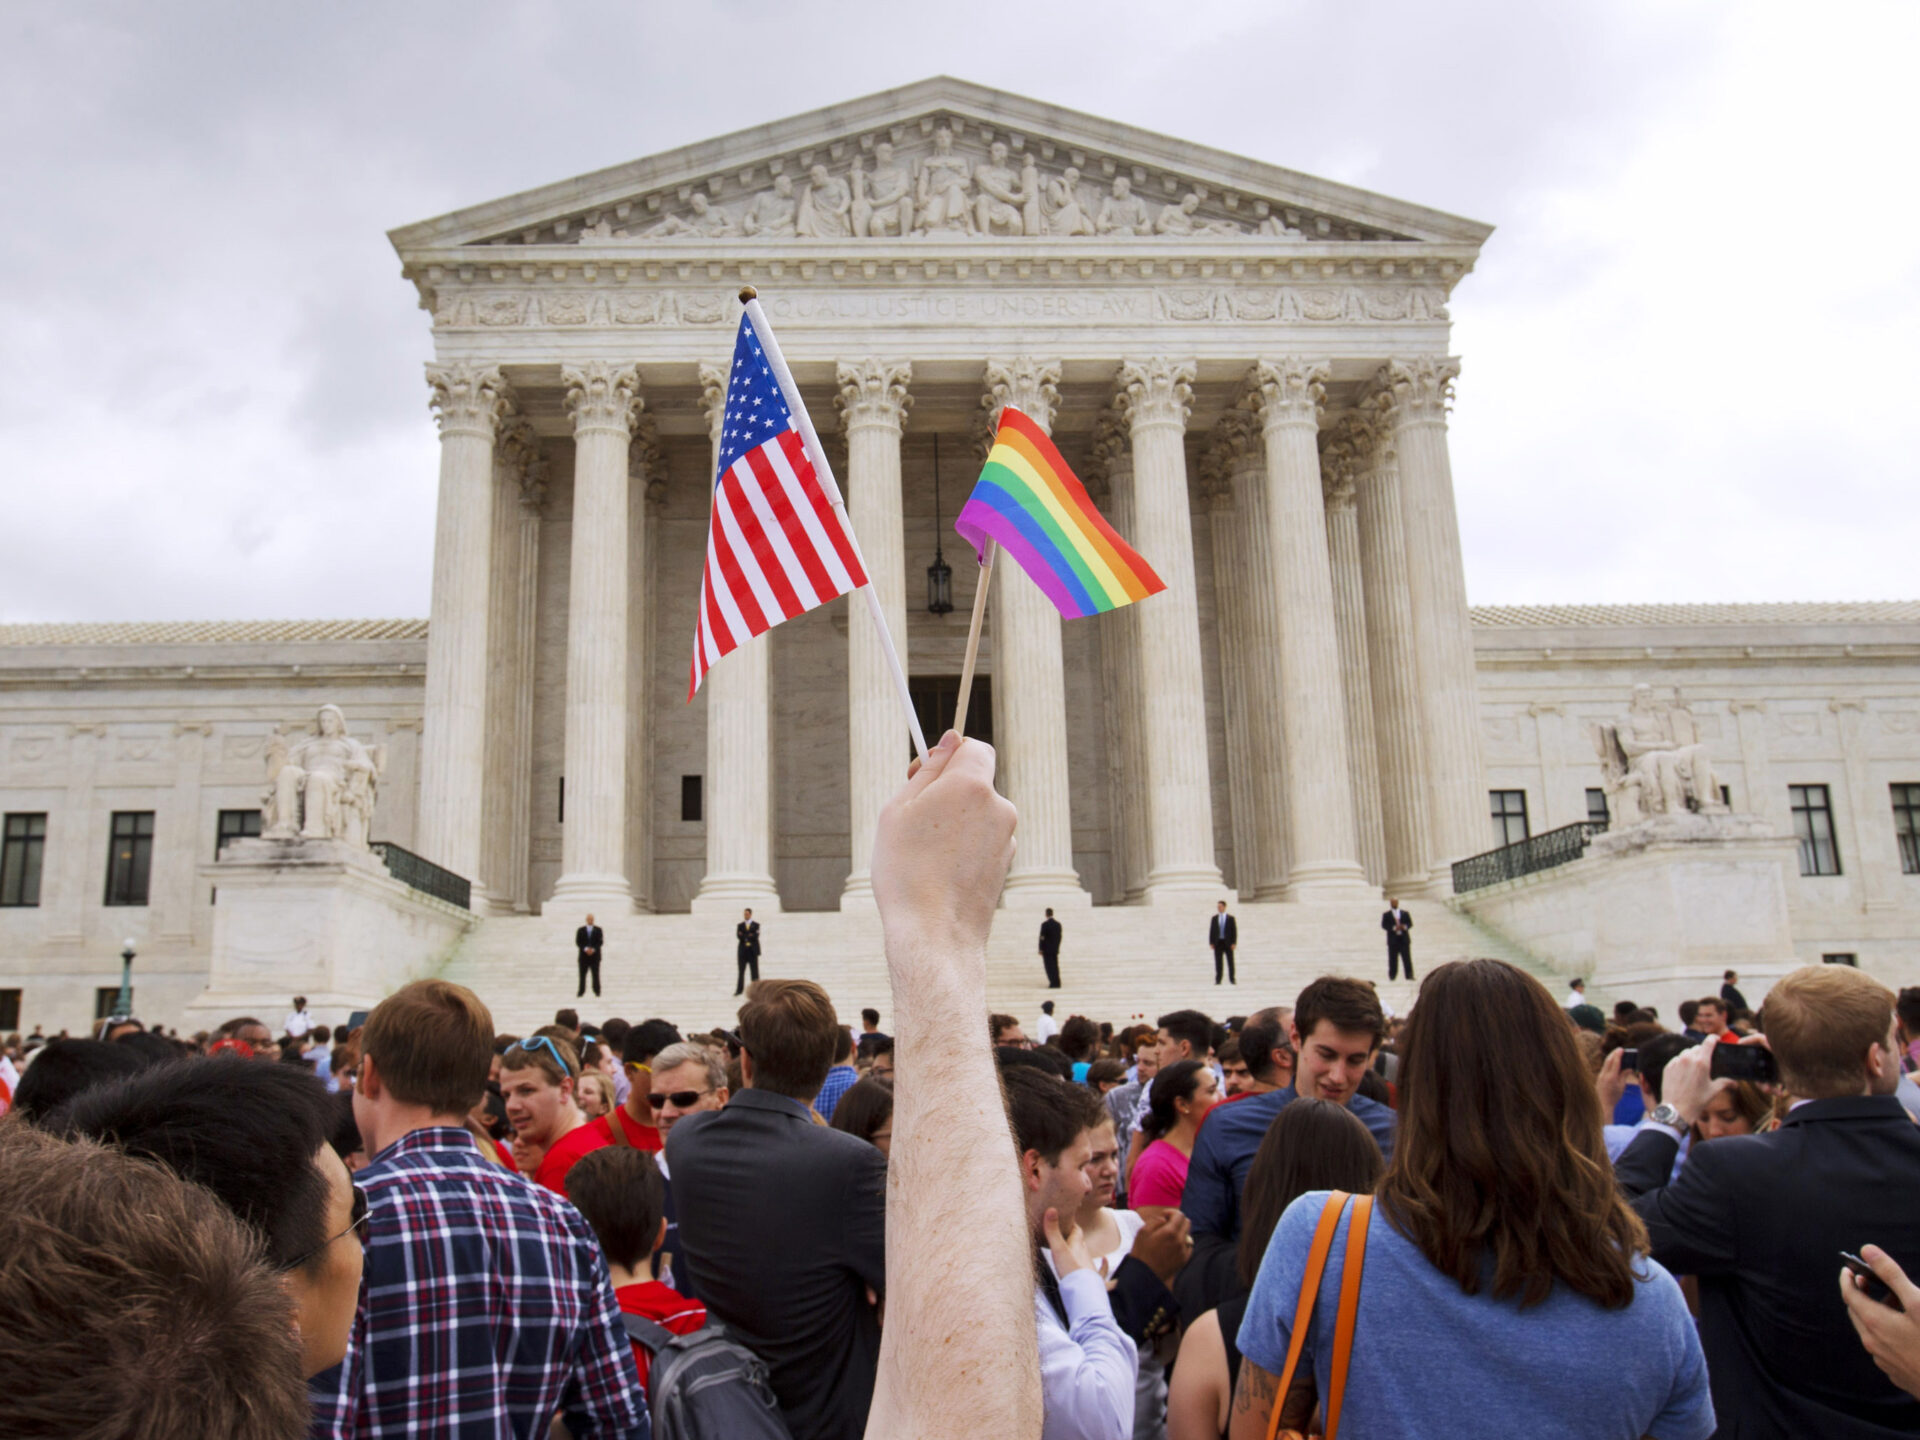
(1065, 215)
(708, 221)
(941, 191)
(882, 202)
(1123, 212)
(1179, 220)
(1001, 208)
(773, 212)
(1277, 228)
(826, 207)
(601, 232)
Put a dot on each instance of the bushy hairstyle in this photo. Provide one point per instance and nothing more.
(1343, 1002)
(1821, 1020)
(997, 1025)
(620, 1193)
(1078, 1037)
(66, 1068)
(1191, 1026)
(789, 1028)
(247, 1132)
(432, 1042)
(1312, 1144)
(135, 1305)
(1047, 1113)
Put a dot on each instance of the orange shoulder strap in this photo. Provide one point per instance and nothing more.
(1350, 1268)
(1309, 1292)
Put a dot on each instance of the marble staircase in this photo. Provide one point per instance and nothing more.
(1117, 963)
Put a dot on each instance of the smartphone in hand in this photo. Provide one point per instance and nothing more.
(1753, 1063)
(1875, 1287)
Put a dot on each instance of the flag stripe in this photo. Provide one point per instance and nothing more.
(770, 463)
(765, 582)
(745, 611)
(849, 575)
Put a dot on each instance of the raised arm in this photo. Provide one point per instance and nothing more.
(940, 855)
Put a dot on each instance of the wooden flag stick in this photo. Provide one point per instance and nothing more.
(973, 640)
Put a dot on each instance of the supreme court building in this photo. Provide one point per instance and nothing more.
(1251, 369)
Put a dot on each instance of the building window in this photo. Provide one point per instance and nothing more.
(1906, 826)
(235, 825)
(9, 1009)
(1509, 816)
(1597, 811)
(936, 699)
(21, 852)
(1847, 959)
(1813, 827)
(691, 810)
(130, 857)
(103, 999)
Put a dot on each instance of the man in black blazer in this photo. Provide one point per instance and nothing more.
(1730, 992)
(1223, 935)
(746, 951)
(589, 940)
(783, 1221)
(1761, 1219)
(1050, 949)
(1397, 923)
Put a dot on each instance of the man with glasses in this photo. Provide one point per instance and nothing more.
(487, 1307)
(686, 1079)
(632, 1123)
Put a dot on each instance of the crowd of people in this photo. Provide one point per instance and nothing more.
(1499, 1212)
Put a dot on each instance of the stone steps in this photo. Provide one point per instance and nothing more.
(1118, 963)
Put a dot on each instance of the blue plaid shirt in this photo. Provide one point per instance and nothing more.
(840, 1079)
(485, 1309)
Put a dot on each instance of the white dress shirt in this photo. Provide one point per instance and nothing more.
(297, 1023)
(1574, 997)
(1045, 1028)
(1086, 1372)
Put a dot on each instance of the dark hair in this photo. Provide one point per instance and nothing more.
(648, 1039)
(882, 1045)
(1503, 1184)
(842, 1045)
(151, 1046)
(65, 1068)
(870, 1016)
(1705, 1000)
(1078, 1037)
(568, 1017)
(320, 1035)
(1047, 1114)
(1622, 1009)
(997, 1023)
(1191, 1026)
(866, 1105)
(1373, 1087)
(1312, 1144)
(620, 1193)
(345, 1134)
(614, 1032)
(1586, 1017)
(135, 1305)
(1343, 1002)
(1264, 1033)
(432, 1043)
(1103, 1070)
(1907, 1006)
(1175, 1082)
(1655, 1053)
(247, 1132)
(1227, 1052)
(790, 1029)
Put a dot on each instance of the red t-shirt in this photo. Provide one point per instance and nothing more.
(564, 1155)
(641, 1137)
(651, 1300)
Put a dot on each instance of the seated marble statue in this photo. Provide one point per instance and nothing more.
(321, 786)
(1654, 762)
(1179, 220)
(773, 212)
(708, 221)
(826, 207)
(1123, 212)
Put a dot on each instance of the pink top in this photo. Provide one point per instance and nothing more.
(1159, 1175)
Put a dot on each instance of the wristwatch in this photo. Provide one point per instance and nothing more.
(1665, 1114)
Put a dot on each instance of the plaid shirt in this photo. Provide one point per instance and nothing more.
(485, 1309)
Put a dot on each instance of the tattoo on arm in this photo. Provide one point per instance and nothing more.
(1256, 1389)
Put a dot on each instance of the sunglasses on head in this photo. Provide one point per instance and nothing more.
(543, 1042)
(680, 1099)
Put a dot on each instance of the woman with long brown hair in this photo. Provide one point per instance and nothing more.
(1506, 1285)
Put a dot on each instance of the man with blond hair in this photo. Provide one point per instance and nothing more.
(1760, 1220)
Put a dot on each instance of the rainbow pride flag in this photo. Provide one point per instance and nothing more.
(1031, 503)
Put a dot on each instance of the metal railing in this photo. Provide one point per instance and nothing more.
(1525, 857)
(423, 875)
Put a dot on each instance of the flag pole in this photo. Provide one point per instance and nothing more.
(973, 639)
(750, 298)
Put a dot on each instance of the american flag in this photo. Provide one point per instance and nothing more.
(775, 546)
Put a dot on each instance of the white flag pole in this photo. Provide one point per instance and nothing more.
(811, 439)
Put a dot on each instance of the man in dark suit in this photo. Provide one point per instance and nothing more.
(1397, 923)
(783, 1221)
(1050, 949)
(1761, 1219)
(1730, 992)
(746, 951)
(1223, 935)
(589, 940)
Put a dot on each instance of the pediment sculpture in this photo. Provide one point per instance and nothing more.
(1654, 763)
(323, 785)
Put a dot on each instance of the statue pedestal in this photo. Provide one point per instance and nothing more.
(1655, 913)
(320, 918)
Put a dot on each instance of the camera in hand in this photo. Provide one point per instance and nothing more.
(1752, 1063)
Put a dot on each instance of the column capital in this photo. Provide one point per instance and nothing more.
(1287, 391)
(1112, 445)
(602, 396)
(1340, 462)
(1030, 386)
(647, 460)
(713, 397)
(1233, 448)
(1415, 391)
(520, 452)
(873, 392)
(1157, 391)
(469, 399)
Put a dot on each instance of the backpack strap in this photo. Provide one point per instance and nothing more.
(655, 1337)
(617, 1123)
(1309, 1292)
(1350, 1268)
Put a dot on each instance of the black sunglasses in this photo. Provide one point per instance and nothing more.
(359, 1214)
(681, 1099)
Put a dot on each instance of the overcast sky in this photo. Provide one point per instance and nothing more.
(1689, 349)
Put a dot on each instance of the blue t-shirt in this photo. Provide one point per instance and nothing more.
(1223, 1153)
(1080, 1068)
(1428, 1358)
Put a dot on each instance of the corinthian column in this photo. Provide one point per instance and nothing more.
(604, 401)
(1029, 680)
(1392, 671)
(738, 692)
(1230, 644)
(1156, 395)
(1120, 675)
(1325, 859)
(518, 471)
(1419, 391)
(470, 402)
(1337, 468)
(1245, 454)
(873, 403)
